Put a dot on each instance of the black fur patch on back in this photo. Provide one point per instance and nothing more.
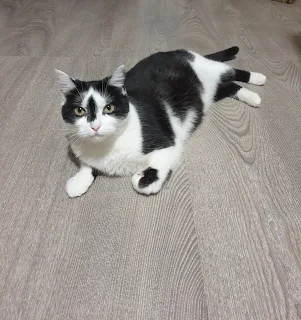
(150, 176)
(165, 79)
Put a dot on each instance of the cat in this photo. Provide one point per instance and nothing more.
(136, 123)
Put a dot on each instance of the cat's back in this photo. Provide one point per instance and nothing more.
(157, 69)
(164, 77)
(159, 86)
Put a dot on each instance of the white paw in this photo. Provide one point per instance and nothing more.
(258, 79)
(254, 100)
(249, 97)
(79, 184)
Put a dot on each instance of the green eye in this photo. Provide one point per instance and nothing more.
(109, 108)
(79, 111)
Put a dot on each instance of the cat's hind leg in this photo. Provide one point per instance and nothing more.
(255, 78)
(233, 90)
(162, 162)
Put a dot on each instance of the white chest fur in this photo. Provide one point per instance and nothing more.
(120, 155)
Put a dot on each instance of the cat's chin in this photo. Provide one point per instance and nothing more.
(97, 138)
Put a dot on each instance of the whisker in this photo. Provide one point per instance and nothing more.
(105, 94)
(59, 130)
(81, 141)
(72, 142)
(79, 95)
(75, 135)
(76, 96)
(81, 84)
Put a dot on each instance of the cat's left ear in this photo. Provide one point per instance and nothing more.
(65, 82)
(118, 77)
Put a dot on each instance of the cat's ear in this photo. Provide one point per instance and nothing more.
(65, 82)
(118, 77)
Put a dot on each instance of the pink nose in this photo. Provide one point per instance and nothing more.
(95, 128)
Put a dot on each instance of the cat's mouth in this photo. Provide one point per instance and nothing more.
(98, 137)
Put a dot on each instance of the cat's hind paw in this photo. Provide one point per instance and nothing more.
(249, 97)
(147, 182)
(258, 79)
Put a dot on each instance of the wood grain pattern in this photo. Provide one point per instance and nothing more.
(221, 241)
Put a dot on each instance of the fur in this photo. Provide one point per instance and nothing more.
(156, 106)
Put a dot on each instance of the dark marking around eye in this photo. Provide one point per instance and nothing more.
(91, 108)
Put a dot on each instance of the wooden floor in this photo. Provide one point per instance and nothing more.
(221, 241)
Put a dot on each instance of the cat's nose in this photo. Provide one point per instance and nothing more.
(95, 128)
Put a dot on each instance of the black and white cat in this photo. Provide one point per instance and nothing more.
(136, 123)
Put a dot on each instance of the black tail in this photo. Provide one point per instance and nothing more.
(225, 55)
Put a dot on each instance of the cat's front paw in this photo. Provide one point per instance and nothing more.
(79, 184)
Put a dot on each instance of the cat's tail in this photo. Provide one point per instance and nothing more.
(224, 55)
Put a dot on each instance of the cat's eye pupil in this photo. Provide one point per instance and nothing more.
(109, 107)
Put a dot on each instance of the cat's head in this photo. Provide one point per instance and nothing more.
(94, 109)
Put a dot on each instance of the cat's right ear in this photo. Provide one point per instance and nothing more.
(65, 82)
